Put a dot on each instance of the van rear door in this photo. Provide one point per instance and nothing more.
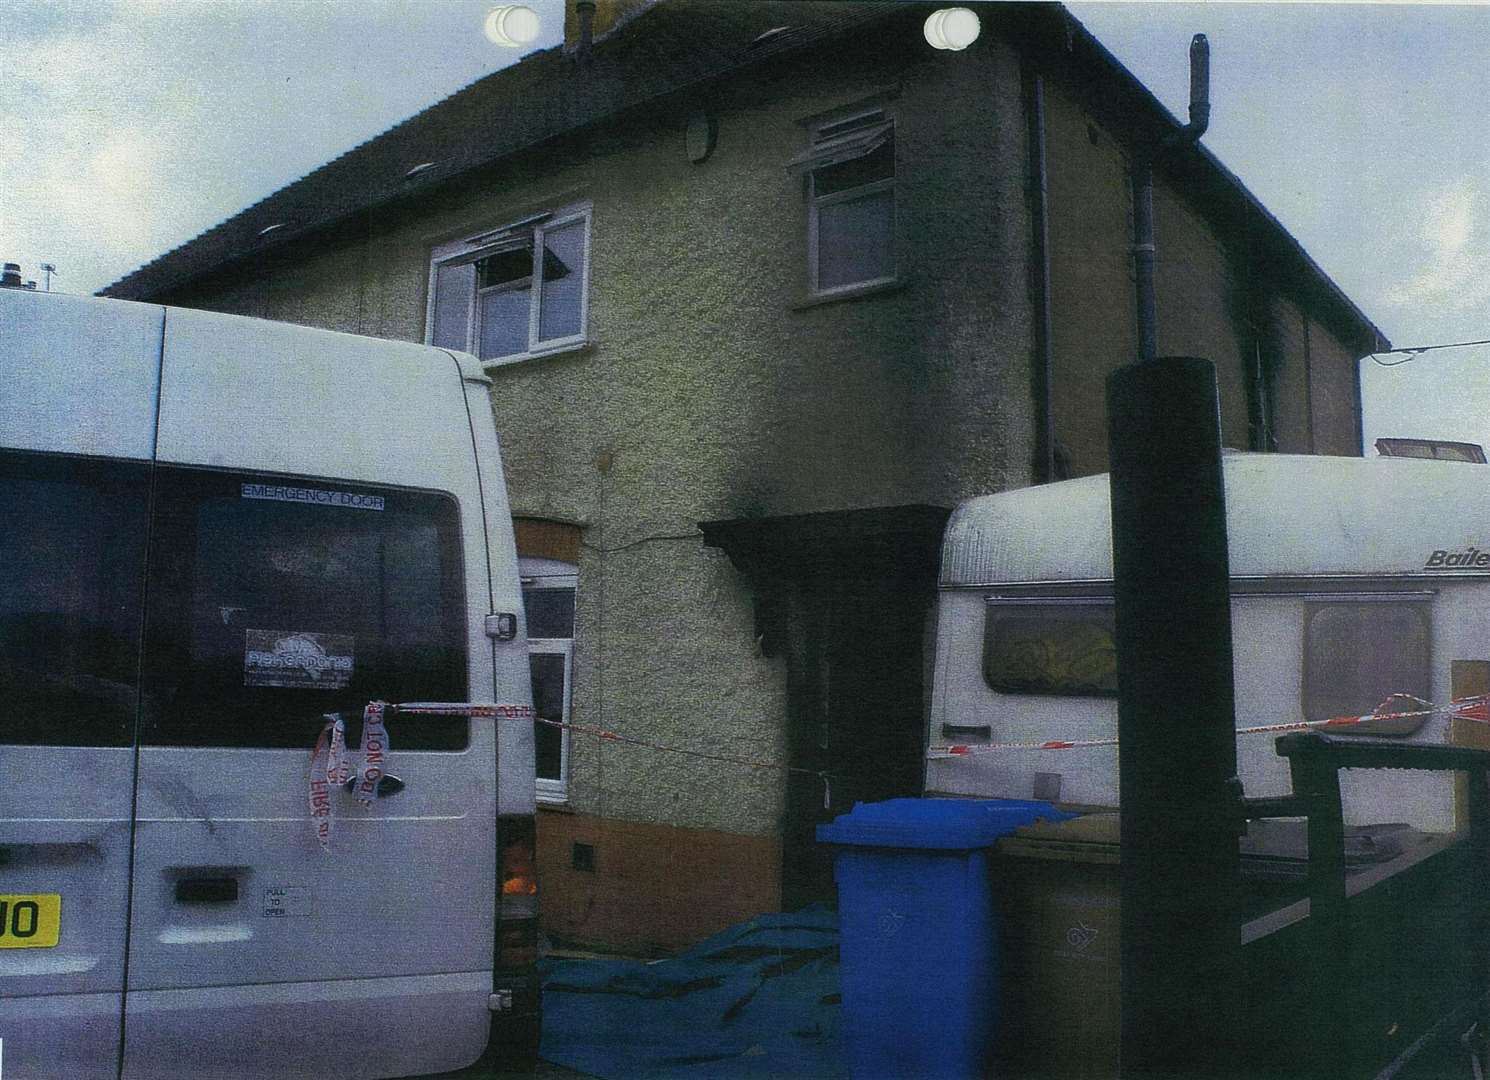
(317, 544)
(76, 434)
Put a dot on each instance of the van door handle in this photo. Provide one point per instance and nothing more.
(967, 731)
(206, 890)
(387, 785)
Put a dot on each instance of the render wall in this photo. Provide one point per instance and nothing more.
(1213, 299)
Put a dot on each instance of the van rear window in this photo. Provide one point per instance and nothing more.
(1063, 649)
(72, 565)
(274, 601)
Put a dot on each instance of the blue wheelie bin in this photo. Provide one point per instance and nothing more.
(919, 932)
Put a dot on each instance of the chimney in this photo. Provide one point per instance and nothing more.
(603, 17)
(10, 278)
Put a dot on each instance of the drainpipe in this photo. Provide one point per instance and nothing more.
(1143, 193)
(1177, 765)
(1044, 373)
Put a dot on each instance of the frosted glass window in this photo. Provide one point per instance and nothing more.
(856, 240)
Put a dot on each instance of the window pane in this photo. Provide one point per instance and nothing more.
(454, 286)
(563, 282)
(1065, 650)
(1357, 655)
(876, 165)
(548, 704)
(504, 322)
(267, 613)
(506, 267)
(72, 547)
(855, 240)
(550, 612)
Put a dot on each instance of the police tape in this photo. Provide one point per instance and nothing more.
(332, 742)
(326, 765)
(1476, 707)
(525, 712)
(333, 768)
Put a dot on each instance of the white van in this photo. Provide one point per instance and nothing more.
(213, 532)
(1352, 580)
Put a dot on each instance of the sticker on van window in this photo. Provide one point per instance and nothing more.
(283, 901)
(297, 659)
(319, 496)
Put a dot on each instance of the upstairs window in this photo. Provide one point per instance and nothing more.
(850, 176)
(517, 291)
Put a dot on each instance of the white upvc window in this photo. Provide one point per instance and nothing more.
(549, 590)
(850, 178)
(516, 291)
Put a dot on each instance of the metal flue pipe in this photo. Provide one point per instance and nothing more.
(1143, 193)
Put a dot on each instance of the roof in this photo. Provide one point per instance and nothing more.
(684, 43)
(1288, 516)
(669, 47)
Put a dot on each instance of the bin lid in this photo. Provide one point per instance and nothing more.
(941, 824)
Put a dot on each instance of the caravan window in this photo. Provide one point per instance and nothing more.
(1359, 653)
(276, 600)
(72, 560)
(1064, 648)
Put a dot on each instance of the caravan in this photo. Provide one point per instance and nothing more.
(1354, 582)
(215, 531)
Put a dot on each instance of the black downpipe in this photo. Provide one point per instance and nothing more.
(1180, 923)
(1143, 193)
(1143, 255)
(1044, 373)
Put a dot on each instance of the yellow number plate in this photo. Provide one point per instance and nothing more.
(30, 920)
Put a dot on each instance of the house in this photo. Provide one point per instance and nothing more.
(764, 288)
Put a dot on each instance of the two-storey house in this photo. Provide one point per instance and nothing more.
(764, 288)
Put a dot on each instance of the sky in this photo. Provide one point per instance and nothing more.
(129, 126)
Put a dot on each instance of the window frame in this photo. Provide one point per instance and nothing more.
(179, 495)
(472, 249)
(1314, 604)
(805, 162)
(993, 604)
(536, 573)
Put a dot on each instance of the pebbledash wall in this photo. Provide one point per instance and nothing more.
(714, 387)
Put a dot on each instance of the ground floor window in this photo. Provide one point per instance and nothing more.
(549, 589)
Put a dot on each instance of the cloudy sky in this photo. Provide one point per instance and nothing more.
(129, 126)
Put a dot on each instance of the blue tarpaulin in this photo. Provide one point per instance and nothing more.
(758, 1000)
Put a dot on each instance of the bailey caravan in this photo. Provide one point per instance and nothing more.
(1354, 582)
